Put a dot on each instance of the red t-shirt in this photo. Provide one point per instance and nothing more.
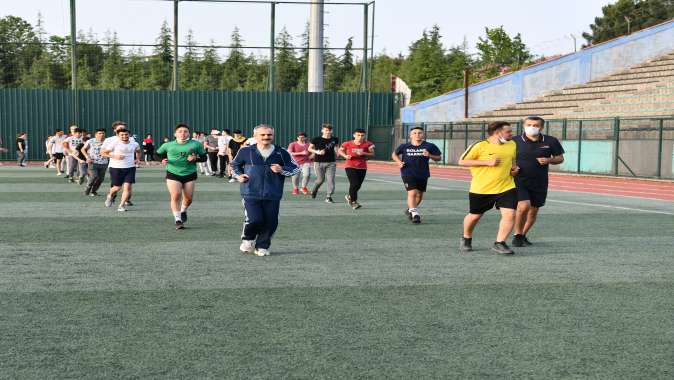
(296, 147)
(357, 161)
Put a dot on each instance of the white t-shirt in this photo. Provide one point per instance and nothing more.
(113, 138)
(116, 146)
(223, 144)
(57, 144)
(251, 141)
(266, 152)
(73, 142)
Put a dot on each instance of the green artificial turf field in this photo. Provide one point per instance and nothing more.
(87, 292)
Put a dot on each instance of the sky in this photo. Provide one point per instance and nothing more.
(545, 25)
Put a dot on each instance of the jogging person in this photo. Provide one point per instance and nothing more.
(70, 150)
(223, 156)
(181, 156)
(324, 149)
(212, 150)
(117, 125)
(148, 148)
(96, 162)
(48, 151)
(235, 144)
(492, 165)
(56, 147)
(300, 151)
(261, 169)
(21, 148)
(413, 158)
(535, 153)
(356, 152)
(124, 155)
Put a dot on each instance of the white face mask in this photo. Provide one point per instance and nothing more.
(532, 131)
(502, 140)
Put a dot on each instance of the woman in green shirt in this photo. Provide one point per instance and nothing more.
(181, 156)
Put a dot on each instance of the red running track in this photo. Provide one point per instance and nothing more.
(640, 188)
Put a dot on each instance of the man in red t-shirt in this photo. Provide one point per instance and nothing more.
(300, 151)
(356, 152)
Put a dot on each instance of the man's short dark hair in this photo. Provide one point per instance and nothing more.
(80, 130)
(326, 126)
(237, 131)
(301, 134)
(359, 130)
(122, 130)
(227, 131)
(117, 123)
(58, 130)
(496, 126)
(99, 130)
(417, 127)
(535, 118)
(183, 125)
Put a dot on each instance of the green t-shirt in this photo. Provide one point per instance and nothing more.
(177, 156)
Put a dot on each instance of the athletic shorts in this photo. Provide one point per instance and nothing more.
(536, 197)
(118, 176)
(415, 183)
(182, 178)
(58, 156)
(481, 203)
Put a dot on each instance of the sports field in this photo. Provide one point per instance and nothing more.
(87, 292)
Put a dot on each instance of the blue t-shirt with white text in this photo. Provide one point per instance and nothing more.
(416, 164)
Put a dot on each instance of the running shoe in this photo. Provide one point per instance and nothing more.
(502, 248)
(262, 252)
(183, 216)
(466, 244)
(247, 246)
(179, 225)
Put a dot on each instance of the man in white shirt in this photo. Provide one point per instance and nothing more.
(223, 154)
(56, 148)
(70, 150)
(116, 125)
(124, 155)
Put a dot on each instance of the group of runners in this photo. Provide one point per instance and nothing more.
(509, 173)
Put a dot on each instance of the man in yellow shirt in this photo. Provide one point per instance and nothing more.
(492, 165)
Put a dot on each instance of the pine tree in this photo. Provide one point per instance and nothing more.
(426, 67)
(211, 71)
(113, 68)
(286, 65)
(161, 63)
(189, 66)
(236, 66)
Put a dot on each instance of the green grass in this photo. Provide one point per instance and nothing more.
(86, 292)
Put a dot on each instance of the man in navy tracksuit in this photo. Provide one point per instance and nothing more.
(261, 169)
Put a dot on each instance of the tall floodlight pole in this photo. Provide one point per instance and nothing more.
(174, 84)
(272, 35)
(363, 76)
(73, 59)
(315, 66)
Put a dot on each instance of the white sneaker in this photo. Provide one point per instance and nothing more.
(59, 173)
(262, 252)
(121, 209)
(231, 180)
(247, 246)
(108, 201)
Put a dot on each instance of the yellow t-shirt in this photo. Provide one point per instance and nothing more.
(491, 179)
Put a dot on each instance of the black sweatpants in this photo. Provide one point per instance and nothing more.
(356, 178)
(213, 158)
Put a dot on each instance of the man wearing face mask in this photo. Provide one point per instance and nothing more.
(535, 153)
(492, 165)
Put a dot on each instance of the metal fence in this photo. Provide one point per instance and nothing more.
(638, 147)
(40, 112)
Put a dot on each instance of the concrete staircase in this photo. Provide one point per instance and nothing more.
(643, 90)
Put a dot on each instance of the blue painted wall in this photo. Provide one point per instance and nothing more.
(535, 81)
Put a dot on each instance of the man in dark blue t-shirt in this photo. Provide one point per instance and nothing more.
(413, 160)
(535, 153)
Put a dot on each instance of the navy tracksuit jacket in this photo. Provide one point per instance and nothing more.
(263, 191)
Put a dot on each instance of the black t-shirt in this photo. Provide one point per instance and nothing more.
(234, 146)
(79, 149)
(416, 164)
(328, 145)
(20, 144)
(532, 174)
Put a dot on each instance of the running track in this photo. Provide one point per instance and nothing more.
(640, 188)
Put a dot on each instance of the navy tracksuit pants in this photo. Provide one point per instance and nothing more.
(261, 221)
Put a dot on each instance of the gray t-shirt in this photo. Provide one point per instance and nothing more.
(212, 141)
(93, 148)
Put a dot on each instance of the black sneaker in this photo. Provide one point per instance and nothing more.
(502, 248)
(94, 194)
(313, 193)
(466, 244)
(408, 213)
(179, 225)
(128, 203)
(183, 216)
(329, 200)
(518, 240)
(416, 219)
(526, 241)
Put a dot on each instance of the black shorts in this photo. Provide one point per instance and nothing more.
(181, 178)
(536, 197)
(481, 203)
(118, 176)
(415, 183)
(58, 156)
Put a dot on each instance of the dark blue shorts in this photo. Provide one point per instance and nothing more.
(118, 176)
